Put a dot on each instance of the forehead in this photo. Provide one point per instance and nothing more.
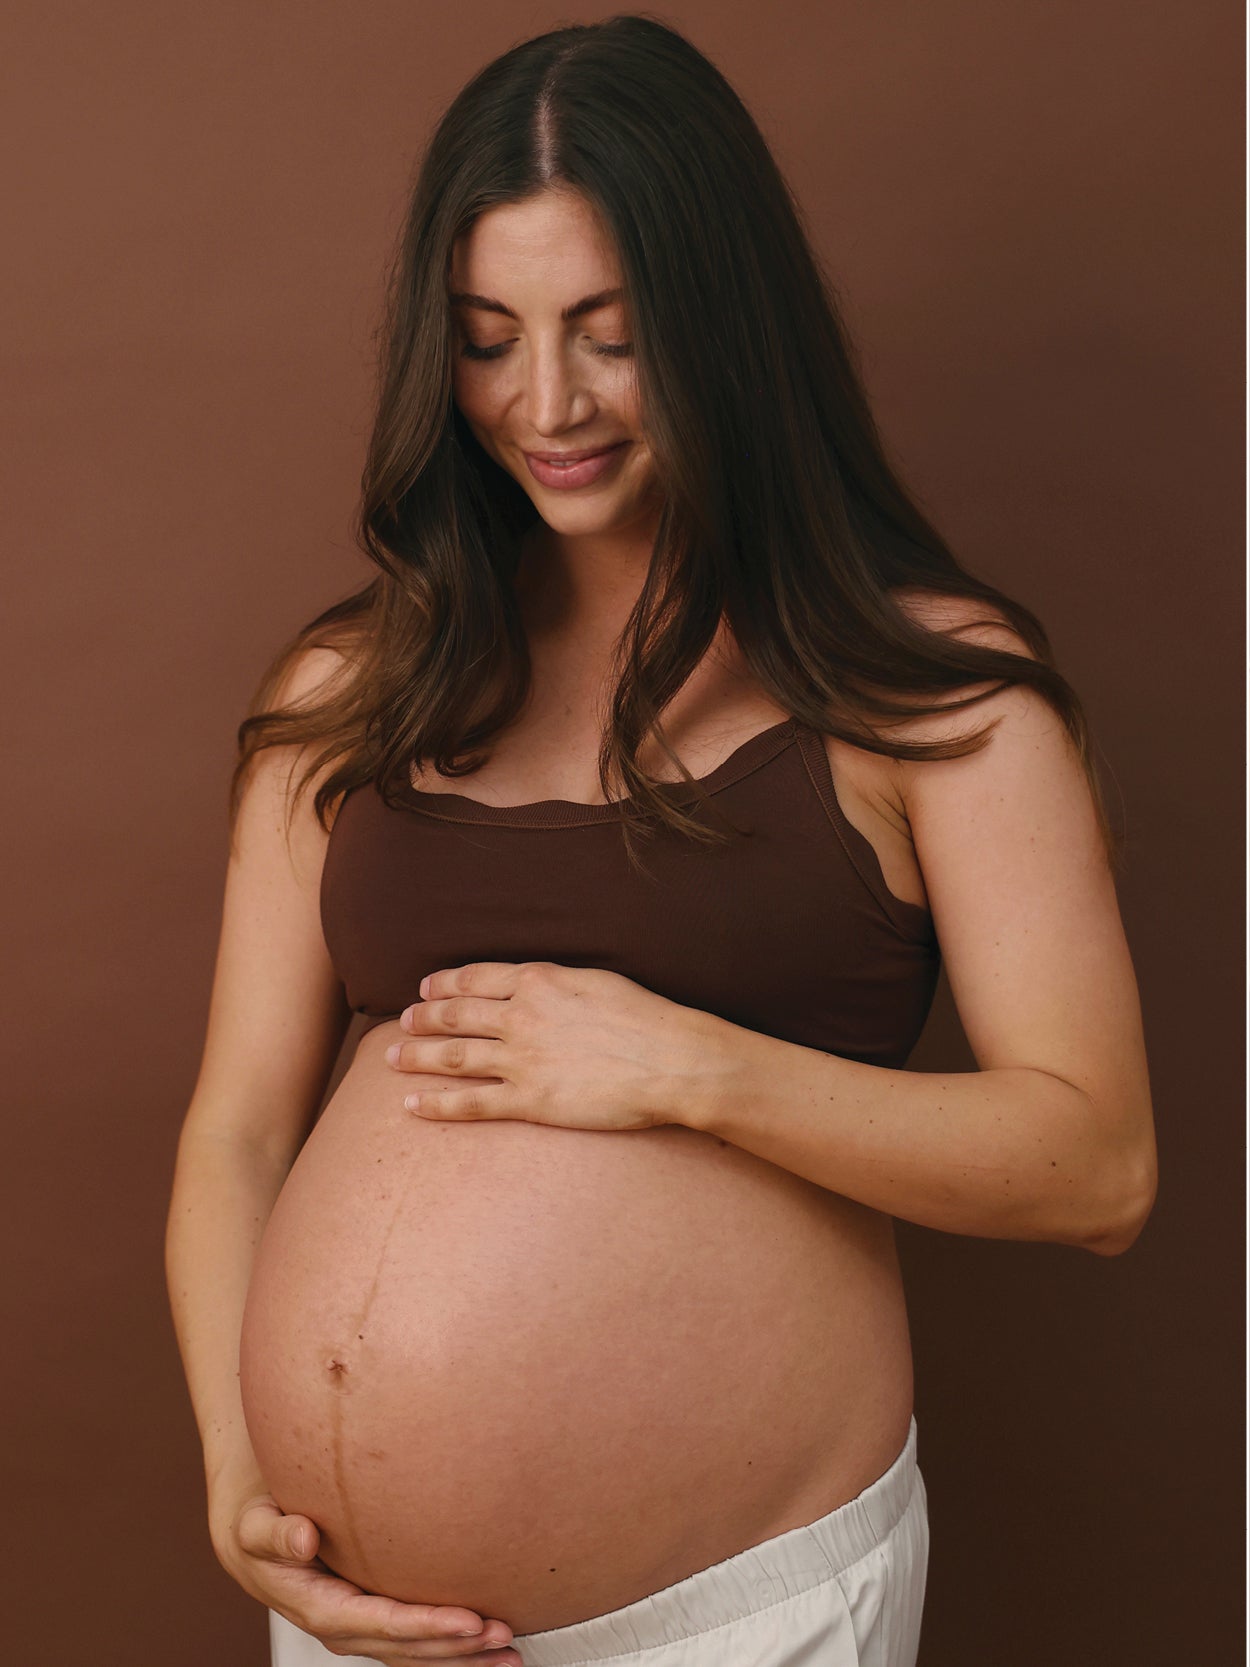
(555, 240)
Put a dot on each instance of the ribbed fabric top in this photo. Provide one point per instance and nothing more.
(790, 929)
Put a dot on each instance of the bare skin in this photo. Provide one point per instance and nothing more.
(350, 1340)
(250, 1114)
(500, 1368)
(374, 1231)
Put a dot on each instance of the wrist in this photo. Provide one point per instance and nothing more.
(231, 1481)
(721, 1060)
(225, 1508)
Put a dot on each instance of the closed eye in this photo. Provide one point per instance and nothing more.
(613, 350)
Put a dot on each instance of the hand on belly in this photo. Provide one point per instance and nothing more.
(535, 1370)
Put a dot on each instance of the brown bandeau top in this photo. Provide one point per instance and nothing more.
(791, 930)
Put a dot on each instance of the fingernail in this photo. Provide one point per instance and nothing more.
(392, 1054)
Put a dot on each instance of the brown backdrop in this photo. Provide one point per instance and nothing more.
(1034, 213)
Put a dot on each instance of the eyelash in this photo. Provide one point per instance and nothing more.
(612, 350)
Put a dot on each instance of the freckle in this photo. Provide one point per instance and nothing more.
(1052, 1163)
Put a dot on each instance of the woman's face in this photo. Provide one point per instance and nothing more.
(551, 384)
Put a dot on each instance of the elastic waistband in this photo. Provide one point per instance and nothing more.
(761, 1575)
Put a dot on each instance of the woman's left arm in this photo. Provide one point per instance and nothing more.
(1052, 1138)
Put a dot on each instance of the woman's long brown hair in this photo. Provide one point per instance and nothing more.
(781, 511)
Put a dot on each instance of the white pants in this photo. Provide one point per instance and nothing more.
(845, 1591)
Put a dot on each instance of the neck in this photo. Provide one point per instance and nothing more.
(581, 585)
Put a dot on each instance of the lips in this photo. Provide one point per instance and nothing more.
(573, 456)
(567, 470)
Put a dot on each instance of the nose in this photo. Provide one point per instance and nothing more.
(557, 390)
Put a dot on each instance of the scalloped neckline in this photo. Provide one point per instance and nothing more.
(755, 750)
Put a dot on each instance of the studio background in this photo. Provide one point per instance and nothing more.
(1034, 214)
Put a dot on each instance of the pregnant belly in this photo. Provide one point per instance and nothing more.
(544, 1372)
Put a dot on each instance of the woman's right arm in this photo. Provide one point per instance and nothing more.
(277, 1018)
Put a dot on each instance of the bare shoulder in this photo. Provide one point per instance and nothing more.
(966, 617)
(1025, 772)
(275, 792)
(314, 672)
(295, 684)
(983, 625)
(885, 780)
(879, 793)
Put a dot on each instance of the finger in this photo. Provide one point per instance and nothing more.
(465, 1015)
(411, 1655)
(478, 978)
(357, 1622)
(340, 1608)
(448, 1056)
(464, 1652)
(465, 1105)
(264, 1530)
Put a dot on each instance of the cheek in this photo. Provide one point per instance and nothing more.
(627, 406)
(479, 398)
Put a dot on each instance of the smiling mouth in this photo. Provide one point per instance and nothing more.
(565, 459)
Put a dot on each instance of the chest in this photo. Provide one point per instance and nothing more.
(554, 761)
(787, 927)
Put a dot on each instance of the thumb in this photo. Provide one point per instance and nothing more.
(298, 1538)
(264, 1531)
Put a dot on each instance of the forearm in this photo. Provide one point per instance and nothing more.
(224, 1190)
(1011, 1153)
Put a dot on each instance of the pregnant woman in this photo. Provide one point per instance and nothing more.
(633, 802)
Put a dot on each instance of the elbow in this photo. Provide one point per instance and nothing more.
(1118, 1230)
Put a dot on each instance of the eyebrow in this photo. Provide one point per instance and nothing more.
(587, 304)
